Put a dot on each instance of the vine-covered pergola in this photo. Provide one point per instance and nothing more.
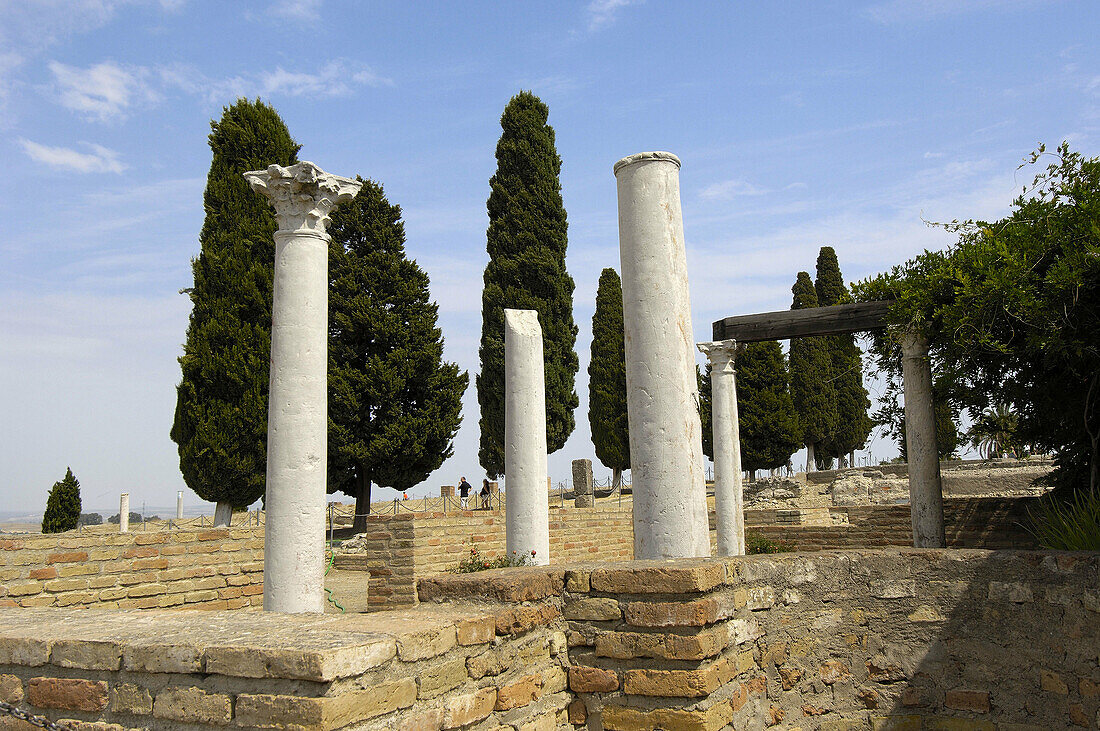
(925, 489)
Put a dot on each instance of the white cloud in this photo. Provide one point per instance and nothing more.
(301, 10)
(102, 92)
(602, 13)
(338, 77)
(893, 12)
(99, 160)
(730, 189)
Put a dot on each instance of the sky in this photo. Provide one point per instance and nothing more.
(801, 124)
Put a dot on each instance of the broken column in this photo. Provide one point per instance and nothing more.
(297, 425)
(583, 493)
(179, 504)
(666, 450)
(124, 513)
(925, 488)
(729, 515)
(526, 512)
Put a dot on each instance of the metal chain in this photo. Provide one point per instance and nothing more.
(39, 721)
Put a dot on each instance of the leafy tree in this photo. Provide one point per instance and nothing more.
(220, 423)
(853, 424)
(63, 505)
(766, 418)
(607, 378)
(812, 389)
(394, 403)
(526, 241)
(993, 433)
(1012, 311)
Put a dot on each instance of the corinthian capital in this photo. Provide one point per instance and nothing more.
(722, 354)
(302, 194)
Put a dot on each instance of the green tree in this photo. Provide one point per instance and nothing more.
(394, 403)
(526, 241)
(63, 505)
(765, 412)
(1012, 311)
(853, 424)
(993, 433)
(812, 389)
(220, 422)
(607, 378)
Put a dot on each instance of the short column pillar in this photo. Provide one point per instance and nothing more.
(526, 511)
(583, 492)
(297, 424)
(728, 509)
(124, 513)
(925, 488)
(666, 448)
(179, 505)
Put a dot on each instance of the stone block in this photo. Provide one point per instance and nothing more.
(975, 701)
(487, 663)
(86, 655)
(623, 718)
(672, 614)
(519, 619)
(584, 679)
(671, 683)
(758, 598)
(895, 723)
(630, 645)
(477, 631)
(467, 708)
(69, 694)
(441, 678)
(426, 642)
(519, 692)
(593, 609)
(692, 576)
(132, 699)
(1010, 591)
(832, 671)
(193, 705)
(11, 689)
(25, 651)
(578, 712)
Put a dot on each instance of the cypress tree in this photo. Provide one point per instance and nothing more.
(853, 424)
(607, 378)
(63, 505)
(766, 418)
(220, 423)
(394, 403)
(526, 241)
(811, 387)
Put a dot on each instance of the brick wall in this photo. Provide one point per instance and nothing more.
(402, 548)
(219, 568)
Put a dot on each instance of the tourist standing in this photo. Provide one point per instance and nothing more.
(485, 494)
(464, 493)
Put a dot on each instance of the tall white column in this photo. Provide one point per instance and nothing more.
(526, 511)
(728, 508)
(297, 424)
(124, 513)
(179, 505)
(666, 449)
(925, 488)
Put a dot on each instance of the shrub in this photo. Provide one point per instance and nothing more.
(63, 505)
(1067, 524)
(90, 519)
(756, 543)
(476, 562)
(134, 518)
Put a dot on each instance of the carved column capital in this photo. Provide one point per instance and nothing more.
(722, 355)
(303, 195)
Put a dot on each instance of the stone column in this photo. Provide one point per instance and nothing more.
(297, 424)
(583, 493)
(925, 489)
(728, 507)
(223, 514)
(666, 448)
(526, 512)
(179, 505)
(124, 513)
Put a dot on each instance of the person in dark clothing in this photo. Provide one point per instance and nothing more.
(485, 493)
(464, 493)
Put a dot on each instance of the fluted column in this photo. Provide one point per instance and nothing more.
(297, 424)
(728, 509)
(526, 513)
(925, 488)
(666, 449)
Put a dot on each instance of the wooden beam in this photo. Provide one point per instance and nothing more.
(786, 324)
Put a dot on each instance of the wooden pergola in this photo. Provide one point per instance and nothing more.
(925, 490)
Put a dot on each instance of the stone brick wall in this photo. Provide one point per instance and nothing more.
(883, 639)
(203, 569)
(399, 549)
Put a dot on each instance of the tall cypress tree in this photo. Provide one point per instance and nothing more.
(221, 402)
(853, 424)
(765, 413)
(812, 389)
(607, 378)
(63, 505)
(394, 403)
(526, 241)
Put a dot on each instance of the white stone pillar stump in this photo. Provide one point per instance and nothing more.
(124, 513)
(728, 508)
(925, 487)
(179, 505)
(526, 511)
(297, 424)
(666, 448)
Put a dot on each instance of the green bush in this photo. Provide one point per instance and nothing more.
(1068, 524)
(756, 543)
(476, 562)
(63, 505)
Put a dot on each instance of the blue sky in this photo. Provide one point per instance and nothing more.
(799, 124)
